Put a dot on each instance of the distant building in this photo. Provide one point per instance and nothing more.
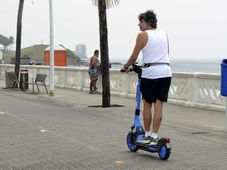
(60, 56)
(81, 51)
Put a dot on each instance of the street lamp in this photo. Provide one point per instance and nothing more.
(51, 68)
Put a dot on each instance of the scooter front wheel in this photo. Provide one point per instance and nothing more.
(164, 152)
(131, 142)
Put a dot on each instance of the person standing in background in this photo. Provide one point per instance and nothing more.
(94, 72)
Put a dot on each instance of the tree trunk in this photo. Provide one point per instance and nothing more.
(104, 53)
(18, 39)
(4, 54)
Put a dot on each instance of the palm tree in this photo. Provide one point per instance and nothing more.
(6, 42)
(18, 38)
(11, 40)
(103, 33)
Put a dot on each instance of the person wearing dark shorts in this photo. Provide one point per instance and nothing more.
(156, 73)
(94, 72)
(153, 89)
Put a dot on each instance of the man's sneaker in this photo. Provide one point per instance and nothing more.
(153, 141)
(96, 92)
(145, 140)
(91, 92)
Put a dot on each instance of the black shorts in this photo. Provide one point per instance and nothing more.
(153, 89)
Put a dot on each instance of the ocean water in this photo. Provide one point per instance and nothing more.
(189, 66)
(196, 66)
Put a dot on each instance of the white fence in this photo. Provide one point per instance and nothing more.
(188, 89)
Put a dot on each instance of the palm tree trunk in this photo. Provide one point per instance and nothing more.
(18, 39)
(104, 53)
(4, 54)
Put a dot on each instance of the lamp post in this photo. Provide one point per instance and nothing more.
(51, 68)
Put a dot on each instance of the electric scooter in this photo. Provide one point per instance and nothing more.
(163, 146)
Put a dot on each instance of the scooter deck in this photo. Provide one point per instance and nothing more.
(155, 148)
(148, 147)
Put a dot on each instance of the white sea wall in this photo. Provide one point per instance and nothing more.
(189, 89)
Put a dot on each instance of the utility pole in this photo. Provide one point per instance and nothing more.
(51, 67)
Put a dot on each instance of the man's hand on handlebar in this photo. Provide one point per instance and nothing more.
(124, 70)
(137, 69)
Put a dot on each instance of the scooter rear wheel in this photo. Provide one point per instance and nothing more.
(164, 152)
(131, 142)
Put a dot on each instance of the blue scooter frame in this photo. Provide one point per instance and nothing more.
(163, 146)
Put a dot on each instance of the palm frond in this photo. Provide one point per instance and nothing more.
(109, 3)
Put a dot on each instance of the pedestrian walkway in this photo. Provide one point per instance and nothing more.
(71, 131)
(208, 119)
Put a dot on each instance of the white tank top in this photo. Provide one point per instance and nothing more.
(156, 51)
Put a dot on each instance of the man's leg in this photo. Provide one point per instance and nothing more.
(90, 85)
(95, 82)
(147, 117)
(157, 118)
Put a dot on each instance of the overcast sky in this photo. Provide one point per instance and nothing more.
(196, 28)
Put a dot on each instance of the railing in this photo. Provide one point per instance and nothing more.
(188, 89)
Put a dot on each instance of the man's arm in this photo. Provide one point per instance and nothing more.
(140, 43)
(92, 61)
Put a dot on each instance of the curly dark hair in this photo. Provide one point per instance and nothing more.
(149, 17)
(96, 52)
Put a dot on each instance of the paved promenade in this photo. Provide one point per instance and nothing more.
(68, 132)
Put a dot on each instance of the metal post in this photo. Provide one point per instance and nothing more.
(51, 68)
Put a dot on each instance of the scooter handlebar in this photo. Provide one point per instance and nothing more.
(129, 70)
(134, 68)
(123, 70)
